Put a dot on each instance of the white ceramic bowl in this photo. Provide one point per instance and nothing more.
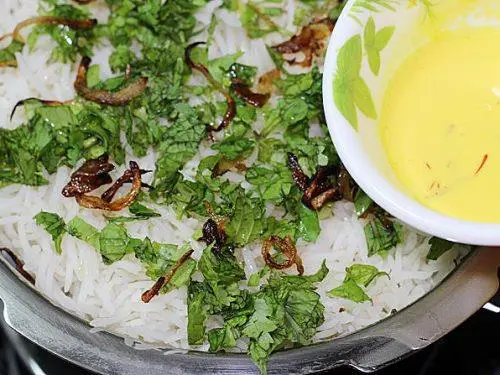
(351, 108)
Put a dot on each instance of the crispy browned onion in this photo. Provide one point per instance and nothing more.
(266, 81)
(319, 190)
(319, 184)
(49, 103)
(287, 248)
(213, 230)
(310, 41)
(245, 93)
(231, 104)
(118, 98)
(127, 177)
(5, 36)
(148, 295)
(91, 175)
(213, 234)
(225, 165)
(18, 264)
(298, 174)
(8, 63)
(99, 203)
(84, 24)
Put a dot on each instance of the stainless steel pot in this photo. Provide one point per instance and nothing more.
(424, 322)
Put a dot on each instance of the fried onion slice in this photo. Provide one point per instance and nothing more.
(149, 294)
(287, 248)
(319, 190)
(91, 175)
(246, 94)
(298, 174)
(17, 263)
(99, 203)
(310, 41)
(118, 98)
(49, 103)
(83, 24)
(231, 104)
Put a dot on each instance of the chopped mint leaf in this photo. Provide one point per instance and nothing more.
(242, 72)
(362, 202)
(70, 43)
(235, 147)
(351, 291)
(363, 274)
(356, 276)
(82, 230)
(93, 76)
(287, 310)
(197, 313)
(9, 53)
(272, 184)
(257, 19)
(309, 228)
(54, 225)
(138, 209)
(438, 247)
(247, 222)
(281, 228)
(180, 143)
(220, 67)
(255, 278)
(382, 234)
(114, 243)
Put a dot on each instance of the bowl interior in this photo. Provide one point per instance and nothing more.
(371, 40)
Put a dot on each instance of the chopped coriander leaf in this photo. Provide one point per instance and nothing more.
(54, 225)
(439, 246)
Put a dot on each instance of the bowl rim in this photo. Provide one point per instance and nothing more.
(371, 181)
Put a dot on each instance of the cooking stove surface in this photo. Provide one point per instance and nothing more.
(472, 349)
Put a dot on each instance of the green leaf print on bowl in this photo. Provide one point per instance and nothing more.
(350, 90)
(375, 42)
(361, 6)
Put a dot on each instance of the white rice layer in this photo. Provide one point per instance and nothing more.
(109, 296)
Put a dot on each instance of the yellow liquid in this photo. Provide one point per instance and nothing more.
(440, 124)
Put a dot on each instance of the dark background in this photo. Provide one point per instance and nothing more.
(472, 349)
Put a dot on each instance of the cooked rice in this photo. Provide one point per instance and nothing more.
(108, 297)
